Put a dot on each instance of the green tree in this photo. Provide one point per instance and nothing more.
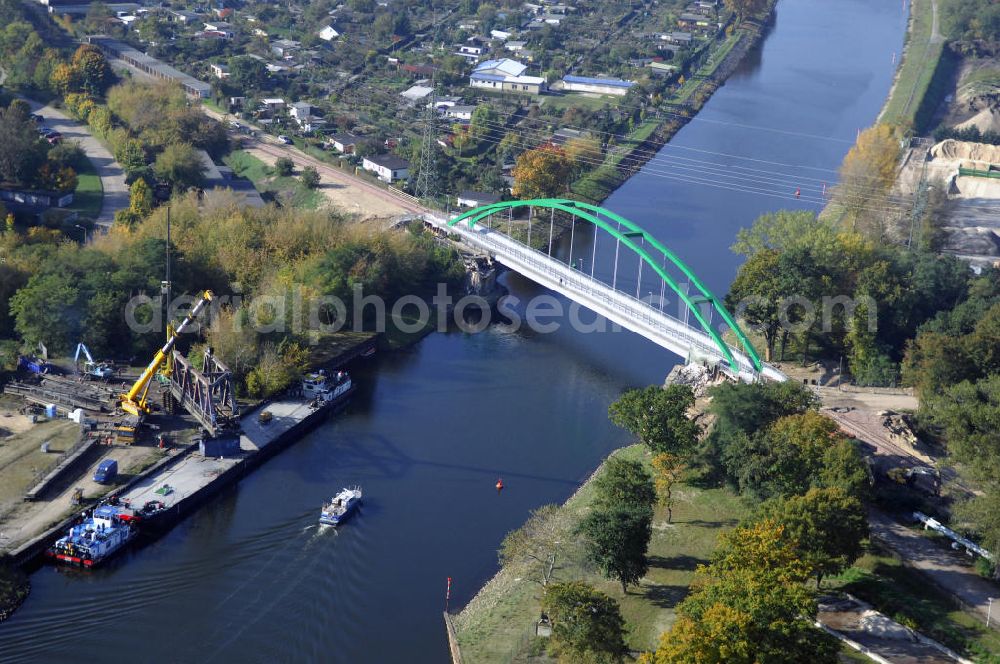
(748, 606)
(535, 545)
(48, 309)
(131, 154)
(284, 166)
(181, 166)
(658, 417)
(587, 625)
(825, 527)
(21, 151)
(485, 121)
(757, 294)
(248, 73)
(309, 177)
(624, 482)
(616, 541)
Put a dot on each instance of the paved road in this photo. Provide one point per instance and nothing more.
(948, 569)
(111, 174)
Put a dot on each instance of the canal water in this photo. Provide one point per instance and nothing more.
(251, 578)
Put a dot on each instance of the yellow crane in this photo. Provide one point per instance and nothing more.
(134, 401)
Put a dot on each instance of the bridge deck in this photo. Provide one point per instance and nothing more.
(630, 312)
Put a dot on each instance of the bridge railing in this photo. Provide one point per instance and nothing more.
(632, 308)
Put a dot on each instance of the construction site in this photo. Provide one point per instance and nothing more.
(79, 439)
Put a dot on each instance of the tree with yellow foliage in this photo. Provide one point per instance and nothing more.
(667, 471)
(749, 605)
(543, 172)
(867, 174)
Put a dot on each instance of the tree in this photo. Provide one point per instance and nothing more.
(284, 166)
(616, 541)
(745, 8)
(48, 309)
(584, 152)
(22, 153)
(131, 154)
(536, 545)
(310, 177)
(757, 294)
(542, 173)
(485, 121)
(783, 460)
(866, 175)
(92, 70)
(248, 73)
(824, 526)
(623, 482)
(658, 417)
(748, 606)
(141, 198)
(969, 414)
(181, 166)
(667, 471)
(54, 177)
(587, 625)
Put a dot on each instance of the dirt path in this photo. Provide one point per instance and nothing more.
(341, 189)
(949, 570)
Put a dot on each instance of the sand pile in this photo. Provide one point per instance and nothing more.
(966, 151)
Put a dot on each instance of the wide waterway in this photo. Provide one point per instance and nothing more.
(249, 578)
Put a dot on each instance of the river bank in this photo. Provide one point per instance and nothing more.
(497, 625)
(14, 588)
(926, 66)
(642, 144)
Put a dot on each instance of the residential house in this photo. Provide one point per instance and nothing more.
(344, 143)
(463, 112)
(220, 28)
(689, 20)
(563, 136)
(328, 33)
(473, 48)
(505, 75)
(184, 17)
(272, 104)
(515, 46)
(284, 48)
(416, 93)
(474, 199)
(677, 37)
(302, 113)
(219, 71)
(502, 35)
(604, 86)
(388, 167)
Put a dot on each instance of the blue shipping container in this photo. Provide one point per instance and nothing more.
(223, 446)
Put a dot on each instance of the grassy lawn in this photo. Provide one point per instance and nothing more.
(89, 192)
(906, 595)
(287, 190)
(22, 461)
(496, 625)
(917, 70)
(578, 100)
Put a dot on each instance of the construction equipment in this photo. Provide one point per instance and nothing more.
(134, 401)
(34, 365)
(92, 370)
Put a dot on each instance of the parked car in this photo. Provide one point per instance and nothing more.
(45, 131)
(37, 118)
(106, 471)
(54, 138)
(284, 139)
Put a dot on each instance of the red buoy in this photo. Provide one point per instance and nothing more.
(798, 192)
(499, 485)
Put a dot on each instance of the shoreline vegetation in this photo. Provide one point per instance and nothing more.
(496, 624)
(643, 142)
(14, 588)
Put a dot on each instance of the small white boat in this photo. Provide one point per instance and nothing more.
(340, 506)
